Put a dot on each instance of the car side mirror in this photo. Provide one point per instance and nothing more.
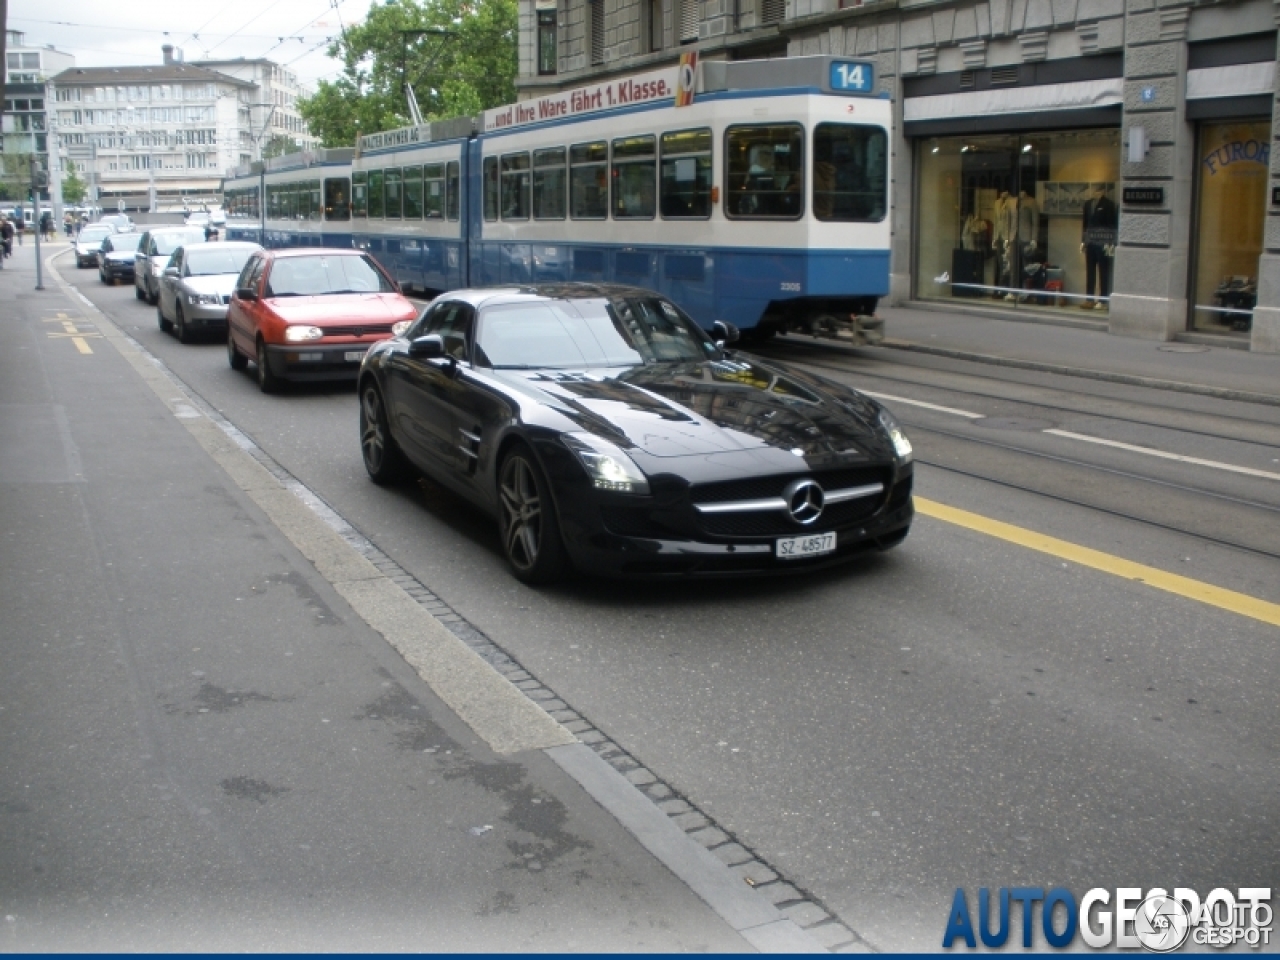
(170, 271)
(724, 333)
(430, 347)
(246, 293)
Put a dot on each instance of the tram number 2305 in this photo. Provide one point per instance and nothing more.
(790, 287)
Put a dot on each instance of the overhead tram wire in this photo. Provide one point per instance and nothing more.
(255, 18)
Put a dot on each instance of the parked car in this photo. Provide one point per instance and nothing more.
(122, 223)
(115, 257)
(157, 246)
(606, 430)
(89, 241)
(311, 313)
(196, 286)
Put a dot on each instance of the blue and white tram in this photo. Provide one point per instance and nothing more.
(298, 200)
(407, 203)
(764, 203)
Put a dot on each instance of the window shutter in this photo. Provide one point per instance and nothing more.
(689, 20)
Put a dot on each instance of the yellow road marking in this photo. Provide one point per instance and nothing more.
(81, 344)
(1240, 603)
(69, 330)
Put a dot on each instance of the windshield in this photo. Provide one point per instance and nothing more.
(166, 243)
(123, 242)
(94, 234)
(318, 275)
(211, 259)
(618, 332)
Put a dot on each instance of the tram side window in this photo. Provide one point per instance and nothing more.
(375, 195)
(359, 195)
(317, 207)
(297, 201)
(589, 181)
(515, 186)
(850, 172)
(549, 184)
(289, 202)
(273, 202)
(412, 188)
(634, 183)
(686, 175)
(451, 195)
(764, 171)
(393, 205)
(337, 198)
(491, 188)
(433, 201)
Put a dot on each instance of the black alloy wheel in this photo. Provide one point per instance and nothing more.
(527, 520)
(382, 456)
(268, 382)
(236, 359)
(180, 323)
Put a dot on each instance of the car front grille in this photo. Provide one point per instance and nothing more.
(361, 330)
(758, 488)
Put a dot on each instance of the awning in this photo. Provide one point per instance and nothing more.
(1236, 80)
(1080, 95)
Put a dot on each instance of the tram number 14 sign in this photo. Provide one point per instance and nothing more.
(852, 77)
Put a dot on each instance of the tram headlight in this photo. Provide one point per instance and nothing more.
(901, 445)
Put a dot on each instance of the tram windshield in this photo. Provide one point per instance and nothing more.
(850, 172)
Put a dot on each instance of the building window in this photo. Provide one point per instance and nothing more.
(689, 17)
(772, 11)
(546, 42)
(595, 14)
(655, 25)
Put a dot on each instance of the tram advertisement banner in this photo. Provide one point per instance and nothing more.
(644, 88)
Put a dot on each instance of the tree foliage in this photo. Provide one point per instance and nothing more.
(279, 145)
(73, 188)
(458, 55)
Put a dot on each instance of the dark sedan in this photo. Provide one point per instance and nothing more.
(605, 430)
(116, 256)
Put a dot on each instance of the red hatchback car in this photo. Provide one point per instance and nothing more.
(311, 314)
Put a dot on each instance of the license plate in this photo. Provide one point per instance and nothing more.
(353, 356)
(791, 548)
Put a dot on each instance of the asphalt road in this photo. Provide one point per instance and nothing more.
(960, 712)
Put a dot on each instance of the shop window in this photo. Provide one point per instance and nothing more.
(549, 184)
(1231, 181)
(1023, 222)
(633, 178)
(850, 173)
(686, 175)
(764, 171)
(515, 186)
(589, 181)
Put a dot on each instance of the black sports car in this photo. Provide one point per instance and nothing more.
(605, 429)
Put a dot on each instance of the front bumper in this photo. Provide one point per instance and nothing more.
(118, 271)
(212, 315)
(617, 536)
(303, 361)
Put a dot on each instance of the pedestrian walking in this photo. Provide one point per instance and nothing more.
(6, 237)
(19, 226)
(46, 225)
(68, 225)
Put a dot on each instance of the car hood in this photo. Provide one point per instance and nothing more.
(699, 409)
(88, 246)
(220, 283)
(336, 308)
(122, 255)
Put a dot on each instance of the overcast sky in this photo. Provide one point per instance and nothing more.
(131, 32)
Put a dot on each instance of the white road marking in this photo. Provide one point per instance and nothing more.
(1165, 455)
(927, 406)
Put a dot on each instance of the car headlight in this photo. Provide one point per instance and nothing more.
(295, 334)
(606, 464)
(197, 299)
(399, 327)
(901, 445)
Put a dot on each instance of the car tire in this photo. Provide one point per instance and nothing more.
(162, 321)
(527, 520)
(236, 359)
(139, 293)
(268, 382)
(180, 324)
(151, 297)
(383, 458)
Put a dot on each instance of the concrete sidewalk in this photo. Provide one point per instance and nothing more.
(1076, 350)
(227, 723)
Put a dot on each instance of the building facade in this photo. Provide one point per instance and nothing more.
(1107, 161)
(24, 129)
(274, 113)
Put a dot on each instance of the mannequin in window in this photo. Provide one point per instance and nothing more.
(1003, 235)
(1027, 244)
(1098, 241)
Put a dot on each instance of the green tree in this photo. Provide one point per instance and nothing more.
(458, 55)
(73, 188)
(278, 146)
